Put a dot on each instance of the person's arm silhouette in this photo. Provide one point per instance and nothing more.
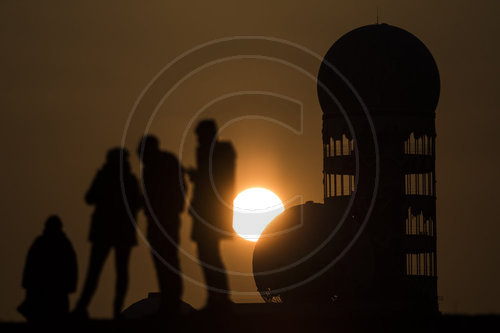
(95, 191)
(192, 173)
(30, 270)
(72, 269)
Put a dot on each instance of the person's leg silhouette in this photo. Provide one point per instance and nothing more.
(215, 276)
(98, 255)
(122, 258)
(168, 268)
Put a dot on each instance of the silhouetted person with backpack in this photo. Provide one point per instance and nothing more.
(164, 196)
(211, 208)
(50, 275)
(117, 200)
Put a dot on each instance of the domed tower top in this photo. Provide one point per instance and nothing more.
(391, 70)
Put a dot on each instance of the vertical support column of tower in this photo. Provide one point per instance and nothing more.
(379, 86)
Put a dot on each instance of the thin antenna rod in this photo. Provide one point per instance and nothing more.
(377, 14)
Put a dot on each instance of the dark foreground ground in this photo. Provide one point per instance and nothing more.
(268, 318)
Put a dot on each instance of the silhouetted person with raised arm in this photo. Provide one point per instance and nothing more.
(211, 208)
(117, 200)
(50, 275)
(164, 196)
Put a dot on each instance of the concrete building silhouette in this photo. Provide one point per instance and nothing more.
(374, 238)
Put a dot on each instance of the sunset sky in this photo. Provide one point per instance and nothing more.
(72, 74)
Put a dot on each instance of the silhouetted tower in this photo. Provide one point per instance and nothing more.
(387, 82)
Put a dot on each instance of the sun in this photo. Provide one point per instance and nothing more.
(253, 209)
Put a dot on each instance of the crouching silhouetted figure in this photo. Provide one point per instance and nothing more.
(50, 275)
(117, 199)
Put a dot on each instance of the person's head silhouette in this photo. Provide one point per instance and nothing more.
(148, 148)
(118, 156)
(53, 225)
(206, 132)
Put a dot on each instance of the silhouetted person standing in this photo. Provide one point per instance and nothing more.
(164, 196)
(211, 207)
(50, 274)
(113, 225)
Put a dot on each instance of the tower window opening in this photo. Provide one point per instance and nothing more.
(418, 224)
(419, 184)
(338, 185)
(422, 145)
(421, 264)
(340, 147)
